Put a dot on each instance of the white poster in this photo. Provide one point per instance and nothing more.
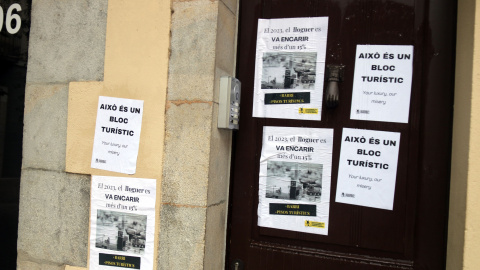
(122, 223)
(367, 168)
(294, 182)
(382, 83)
(117, 134)
(289, 68)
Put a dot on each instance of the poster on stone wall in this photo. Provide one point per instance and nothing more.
(122, 223)
(382, 83)
(367, 168)
(294, 179)
(290, 67)
(117, 134)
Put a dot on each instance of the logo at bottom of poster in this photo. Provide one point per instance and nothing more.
(314, 224)
(307, 111)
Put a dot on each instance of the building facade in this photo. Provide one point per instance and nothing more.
(171, 54)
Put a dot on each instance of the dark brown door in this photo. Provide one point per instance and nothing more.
(413, 234)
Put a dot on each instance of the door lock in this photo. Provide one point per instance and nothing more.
(334, 76)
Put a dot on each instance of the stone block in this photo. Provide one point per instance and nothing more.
(232, 5)
(45, 126)
(225, 45)
(215, 236)
(27, 265)
(69, 267)
(53, 217)
(220, 158)
(187, 150)
(192, 59)
(67, 40)
(182, 237)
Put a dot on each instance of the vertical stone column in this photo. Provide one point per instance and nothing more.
(463, 231)
(197, 154)
(67, 43)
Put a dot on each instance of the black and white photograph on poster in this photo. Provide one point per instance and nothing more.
(367, 168)
(382, 83)
(294, 179)
(117, 134)
(290, 67)
(290, 70)
(121, 231)
(122, 222)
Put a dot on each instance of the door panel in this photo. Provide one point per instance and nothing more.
(413, 234)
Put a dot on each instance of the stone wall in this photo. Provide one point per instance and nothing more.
(197, 153)
(463, 231)
(67, 43)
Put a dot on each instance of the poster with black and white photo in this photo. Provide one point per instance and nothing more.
(289, 68)
(382, 83)
(122, 222)
(294, 179)
(367, 168)
(117, 134)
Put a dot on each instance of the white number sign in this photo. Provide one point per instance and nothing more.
(10, 18)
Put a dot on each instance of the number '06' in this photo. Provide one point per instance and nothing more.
(10, 18)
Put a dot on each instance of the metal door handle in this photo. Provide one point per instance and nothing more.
(334, 76)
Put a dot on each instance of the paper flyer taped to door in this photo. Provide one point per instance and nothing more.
(294, 180)
(382, 83)
(367, 168)
(290, 67)
(117, 134)
(122, 223)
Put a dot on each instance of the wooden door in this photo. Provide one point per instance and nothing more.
(413, 234)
